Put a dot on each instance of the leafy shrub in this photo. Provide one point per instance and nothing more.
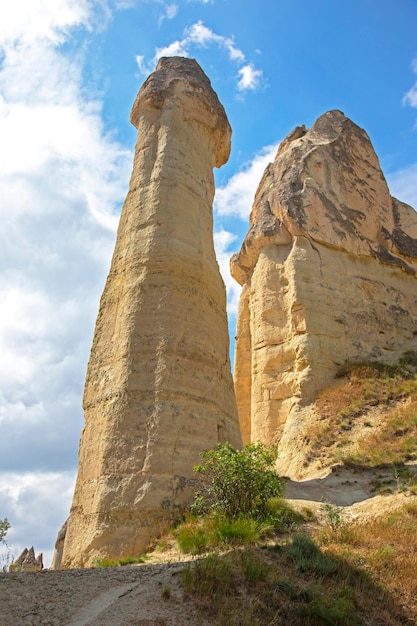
(4, 527)
(237, 482)
(333, 515)
(6, 558)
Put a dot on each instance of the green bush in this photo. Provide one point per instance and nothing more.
(333, 515)
(237, 483)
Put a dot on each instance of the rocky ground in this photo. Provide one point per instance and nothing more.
(151, 594)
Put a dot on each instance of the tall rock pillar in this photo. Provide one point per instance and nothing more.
(159, 387)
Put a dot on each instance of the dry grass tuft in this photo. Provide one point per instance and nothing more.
(296, 582)
(385, 549)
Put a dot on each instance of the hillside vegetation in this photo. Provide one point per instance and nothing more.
(257, 559)
(369, 417)
(303, 564)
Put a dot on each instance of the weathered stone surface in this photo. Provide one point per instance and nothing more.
(59, 546)
(159, 387)
(328, 270)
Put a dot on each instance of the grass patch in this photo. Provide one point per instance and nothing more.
(129, 560)
(282, 517)
(196, 536)
(346, 410)
(307, 556)
(386, 549)
(295, 583)
(394, 441)
(199, 535)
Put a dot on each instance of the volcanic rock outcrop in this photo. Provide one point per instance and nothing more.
(159, 387)
(28, 561)
(328, 270)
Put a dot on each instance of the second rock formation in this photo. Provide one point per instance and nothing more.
(328, 270)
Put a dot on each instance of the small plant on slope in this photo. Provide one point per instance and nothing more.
(4, 527)
(240, 500)
(5, 554)
(237, 482)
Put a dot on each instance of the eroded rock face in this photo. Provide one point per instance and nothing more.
(59, 546)
(159, 387)
(328, 270)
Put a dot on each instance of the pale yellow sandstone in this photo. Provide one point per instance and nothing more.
(159, 387)
(328, 270)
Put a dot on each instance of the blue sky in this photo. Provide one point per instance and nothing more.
(69, 73)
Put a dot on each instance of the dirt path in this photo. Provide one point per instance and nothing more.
(147, 595)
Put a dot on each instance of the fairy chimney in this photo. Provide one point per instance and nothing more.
(159, 387)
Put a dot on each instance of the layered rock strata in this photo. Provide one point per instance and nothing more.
(159, 387)
(328, 274)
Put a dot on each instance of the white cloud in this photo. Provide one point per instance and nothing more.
(234, 53)
(28, 21)
(34, 503)
(403, 185)
(223, 239)
(410, 97)
(171, 11)
(236, 197)
(250, 78)
(143, 69)
(176, 48)
(62, 180)
(199, 35)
